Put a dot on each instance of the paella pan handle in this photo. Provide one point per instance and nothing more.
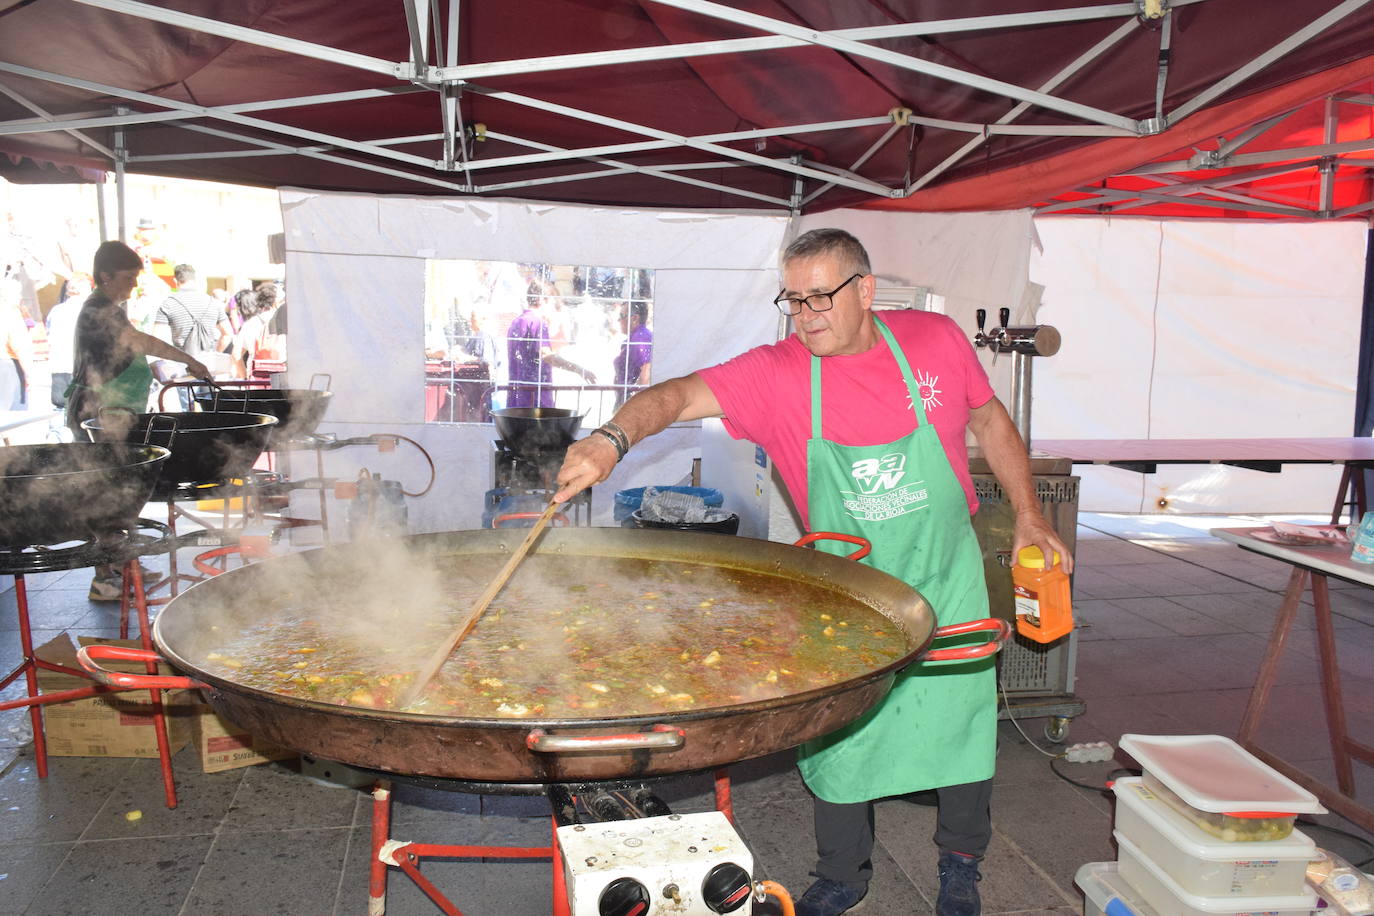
(168, 428)
(965, 653)
(328, 381)
(660, 738)
(86, 655)
(864, 546)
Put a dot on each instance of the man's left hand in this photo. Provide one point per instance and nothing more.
(1032, 529)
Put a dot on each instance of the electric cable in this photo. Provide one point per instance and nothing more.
(1003, 691)
(1119, 771)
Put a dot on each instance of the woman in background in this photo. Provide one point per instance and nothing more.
(256, 310)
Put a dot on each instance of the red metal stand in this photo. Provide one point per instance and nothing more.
(30, 663)
(406, 855)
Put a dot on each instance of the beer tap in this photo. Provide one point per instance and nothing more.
(1022, 343)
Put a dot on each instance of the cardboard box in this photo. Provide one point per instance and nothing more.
(224, 746)
(111, 725)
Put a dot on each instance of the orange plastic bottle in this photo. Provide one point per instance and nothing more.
(1044, 602)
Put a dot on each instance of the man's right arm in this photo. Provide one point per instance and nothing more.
(590, 460)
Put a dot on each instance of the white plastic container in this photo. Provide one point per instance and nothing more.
(1106, 894)
(1220, 786)
(1200, 863)
(1163, 893)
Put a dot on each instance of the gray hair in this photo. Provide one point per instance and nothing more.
(184, 273)
(819, 242)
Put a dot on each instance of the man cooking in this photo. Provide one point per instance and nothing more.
(866, 419)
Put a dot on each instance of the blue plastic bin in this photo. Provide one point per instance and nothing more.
(627, 501)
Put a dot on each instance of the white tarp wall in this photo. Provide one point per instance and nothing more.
(1178, 329)
(355, 274)
(355, 269)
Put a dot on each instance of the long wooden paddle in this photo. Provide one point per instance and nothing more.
(436, 661)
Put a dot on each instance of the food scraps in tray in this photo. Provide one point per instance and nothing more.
(572, 639)
(1306, 535)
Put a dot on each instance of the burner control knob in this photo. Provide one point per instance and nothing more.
(623, 897)
(725, 888)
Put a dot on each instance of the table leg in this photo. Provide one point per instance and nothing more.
(1269, 667)
(1342, 490)
(1331, 685)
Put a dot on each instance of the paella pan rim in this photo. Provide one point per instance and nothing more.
(142, 420)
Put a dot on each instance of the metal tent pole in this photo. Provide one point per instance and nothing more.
(120, 154)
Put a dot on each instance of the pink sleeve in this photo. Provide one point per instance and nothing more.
(976, 385)
(742, 386)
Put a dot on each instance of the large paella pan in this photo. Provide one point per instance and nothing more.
(541, 692)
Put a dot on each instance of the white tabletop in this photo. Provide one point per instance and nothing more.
(1209, 451)
(1331, 561)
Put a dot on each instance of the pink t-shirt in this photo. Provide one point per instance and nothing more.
(765, 395)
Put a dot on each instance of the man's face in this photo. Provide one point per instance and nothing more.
(844, 328)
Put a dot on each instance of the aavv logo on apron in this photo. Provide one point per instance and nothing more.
(881, 494)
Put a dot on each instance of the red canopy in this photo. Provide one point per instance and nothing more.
(790, 104)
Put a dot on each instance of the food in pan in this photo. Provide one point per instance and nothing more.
(572, 638)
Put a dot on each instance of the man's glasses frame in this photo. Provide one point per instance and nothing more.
(816, 302)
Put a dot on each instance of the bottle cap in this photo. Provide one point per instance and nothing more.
(1033, 558)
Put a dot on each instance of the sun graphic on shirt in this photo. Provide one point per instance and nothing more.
(930, 395)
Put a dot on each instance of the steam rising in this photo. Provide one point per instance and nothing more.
(622, 636)
(52, 494)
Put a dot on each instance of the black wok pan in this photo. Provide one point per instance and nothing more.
(51, 494)
(298, 410)
(533, 429)
(205, 447)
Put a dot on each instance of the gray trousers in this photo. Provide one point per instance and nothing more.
(844, 833)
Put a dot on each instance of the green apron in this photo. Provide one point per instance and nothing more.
(128, 389)
(937, 726)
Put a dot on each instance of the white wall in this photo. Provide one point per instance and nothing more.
(356, 272)
(1199, 329)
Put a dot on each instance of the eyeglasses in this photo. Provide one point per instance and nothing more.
(817, 302)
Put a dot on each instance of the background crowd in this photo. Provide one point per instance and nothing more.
(237, 334)
(504, 334)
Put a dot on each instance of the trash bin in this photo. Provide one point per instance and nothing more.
(627, 501)
(727, 524)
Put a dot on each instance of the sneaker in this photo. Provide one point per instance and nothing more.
(828, 898)
(959, 877)
(106, 588)
(110, 586)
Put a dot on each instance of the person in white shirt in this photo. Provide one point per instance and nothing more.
(61, 325)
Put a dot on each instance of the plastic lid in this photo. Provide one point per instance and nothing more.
(1215, 774)
(1033, 557)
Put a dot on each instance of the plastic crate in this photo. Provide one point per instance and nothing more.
(1106, 894)
(1026, 668)
(1161, 891)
